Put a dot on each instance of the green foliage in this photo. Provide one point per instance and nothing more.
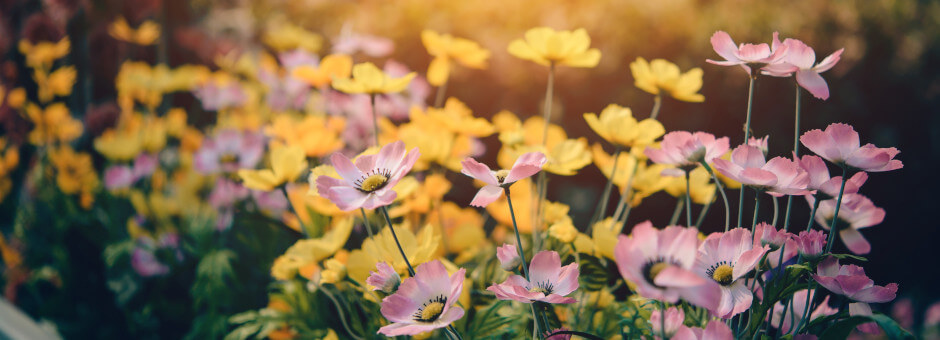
(593, 273)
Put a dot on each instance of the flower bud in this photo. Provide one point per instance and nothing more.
(384, 279)
(811, 243)
(508, 257)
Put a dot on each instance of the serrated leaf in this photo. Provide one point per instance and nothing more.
(593, 276)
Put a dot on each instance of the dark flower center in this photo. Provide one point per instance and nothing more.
(431, 310)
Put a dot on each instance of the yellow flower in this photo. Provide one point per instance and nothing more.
(333, 272)
(317, 135)
(445, 48)
(604, 234)
(437, 144)
(146, 34)
(118, 145)
(176, 122)
(16, 98)
(334, 66)
(8, 161)
(463, 229)
(648, 181)
(147, 84)
(546, 46)
(661, 75)
(367, 78)
(54, 124)
(287, 37)
(44, 53)
(617, 126)
(626, 165)
(564, 231)
(419, 248)
(703, 191)
(74, 171)
(563, 158)
(287, 163)
(58, 83)
(423, 197)
(456, 117)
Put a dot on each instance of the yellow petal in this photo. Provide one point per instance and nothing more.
(263, 180)
(439, 71)
(520, 49)
(587, 59)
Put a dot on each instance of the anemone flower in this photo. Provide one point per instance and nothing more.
(850, 281)
(368, 183)
(385, 278)
(546, 46)
(526, 165)
(686, 149)
(508, 257)
(746, 55)
(548, 282)
(660, 263)
(424, 302)
(857, 212)
(820, 181)
(714, 330)
(811, 243)
(726, 258)
(767, 235)
(839, 144)
(800, 61)
(228, 151)
(778, 176)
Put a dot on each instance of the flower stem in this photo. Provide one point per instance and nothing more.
(776, 211)
(835, 218)
(365, 221)
(339, 312)
(796, 152)
(453, 331)
(688, 201)
(657, 103)
(439, 96)
(581, 334)
(756, 208)
(678, 211)
(547, 108)
(303, 228)
(750, 104)
(411, 270)
(809, 225)
(515, 228)
(702, 213)
(375, 119)
(602, 207)
(662, 320)
(724, 197)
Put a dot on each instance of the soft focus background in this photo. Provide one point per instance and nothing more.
(887, 85)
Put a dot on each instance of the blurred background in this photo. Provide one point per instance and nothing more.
(887, 86)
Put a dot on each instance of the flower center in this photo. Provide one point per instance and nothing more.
(373, 180)
(228, 158)
(542, 287)
(721, 272)
(501, 175)
(656, 268)
(431, 310)
(653, 268)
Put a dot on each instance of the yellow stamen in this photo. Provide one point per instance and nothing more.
(723, 274)
(432, 311)
(501, 175)
(656, 268)
(373, 183)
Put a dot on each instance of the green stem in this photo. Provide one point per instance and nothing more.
(724, 197)
(515, 228)
(756, 208)
(581, 334)
(677, 212)
(542, 190)
(750, 103)
(657, 102)
(602, 207)
(812, 284)
(366, 222)
(662, 320)
(741, 206)
(776, 210)
(833, 226)
(702, 213)
(375, 119)
(453, 331)
(339, 312)
(411, 270)
(688, 201)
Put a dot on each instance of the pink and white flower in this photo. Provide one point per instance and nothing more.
(548, 281)
(385, 278)
(820, 181)
(857, 212)
(714, 330)
(508, 257)
(767, 235)
(424, 302)
(228, 151)
(746, 55)
(795, 311)
(726, 258)
(117, 177)
(368, 183)
(660, 263)
(496, 181)
(839, 144)
(811, 243)
(850, 281)
(800, 61)
(686, 150)
(674, 319)
(778, 176)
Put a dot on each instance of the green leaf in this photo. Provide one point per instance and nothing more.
(244, 332)
(850, 256)
(841, 329)
(892, 329)
(487, 323)
(241, 318)
(593, 276)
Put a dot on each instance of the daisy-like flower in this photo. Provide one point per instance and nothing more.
(747, 55)
(660, 263)
(794, 314)
(334, 66)
(778, 176)
(800, 61)
(714, 330)
(857, 212)
(385, 278)
(526, 165)
(850, 281)
(726, 258)
(548, 281)
(660, 75)
(424, 302)
(287, 163)
(228, 151)
(546, 46)
(820, 181)
(446, 48)
(686, 149)
(369, 79)
(839, 144)
(617, 126)
(368, 183)
(508, 257)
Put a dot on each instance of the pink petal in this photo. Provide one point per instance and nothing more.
(555, 298)
(753, 52)
(829, 62)
(390, 156)
(877, 294)
(405, 166)
(378, 199)
(863, 309)
(814, 83)
(844, 138)
(397, 329)
(799, 54)
(346, 198)
(854, 240)
(526, 165)
(478, 171)
(674, 276)
(748, 156)
(821, 144)
(345, 168)
(399, 308)
(724, 46)
(545, 267)
(487, 194)
(717, 330)
(758, 177)
(747, 261)
(567, 281)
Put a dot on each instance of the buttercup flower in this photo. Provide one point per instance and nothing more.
(857, 212)
(368, 183)
(444, 48)
(546, 46)
(840, 144)
(367, 78)
(686, 149)
(287, 163)
(228, 151)
(811, 243)
(508, 257)
(384, 278)
(146, 34)
(778, 176)
(660, 263)
(726, 258)
(617, 126)
(746, 55)
(661, 75)
(526, 165)
(800, 61)
(424, 302)
(334, 66)
(548, 281)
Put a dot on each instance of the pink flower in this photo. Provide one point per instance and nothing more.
(145, 263)
(850, 281)
(788, 251)
(349, 43)
(932, 315)
(424, 302)
(368, 183)
(766, 234)
(284, 92)
(760, 143)
(508, 257)
(820, 181)
(548, 281)
(144, 165)
(778, 176)
(526, 165)
(863, 309)
(746, 55)
(674, 319)
(714, 330)
(811, 243)
(795, 312)
(385, 278)
(857, 212)
(229, 151)
(270, 202)
(840, 144)
(726, 258)
(660, 263)
(118, 177)
(215, 96)
(549, 336)
(223, 197)
(903, 311)
(686, 149)
(801, 59)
